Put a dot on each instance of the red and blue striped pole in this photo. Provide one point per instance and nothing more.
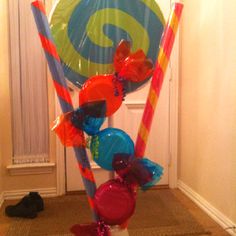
(60, 85)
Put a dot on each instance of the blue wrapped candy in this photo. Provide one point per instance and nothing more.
(108, 142)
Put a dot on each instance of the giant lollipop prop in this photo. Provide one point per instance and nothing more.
(85, 62)
(86, 33)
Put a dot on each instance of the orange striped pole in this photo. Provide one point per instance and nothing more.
(166, 46)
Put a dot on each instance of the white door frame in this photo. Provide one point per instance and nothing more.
(174, 103)
(173, 135)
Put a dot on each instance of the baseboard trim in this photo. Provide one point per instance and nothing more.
(17, 194)
(214, 213)
(1, 199)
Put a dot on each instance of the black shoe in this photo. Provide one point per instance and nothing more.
(37, 199)
(26, 208)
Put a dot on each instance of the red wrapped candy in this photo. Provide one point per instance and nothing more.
(134, 67)
(114, 202)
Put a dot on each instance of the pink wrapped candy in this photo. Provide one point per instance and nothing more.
(114, 202)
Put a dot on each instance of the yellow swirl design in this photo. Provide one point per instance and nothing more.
(156, 10)
(119, 19)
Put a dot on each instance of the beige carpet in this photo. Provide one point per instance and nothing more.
(158, 213)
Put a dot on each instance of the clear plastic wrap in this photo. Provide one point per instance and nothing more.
(87, 32)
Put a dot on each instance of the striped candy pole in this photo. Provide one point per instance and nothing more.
(63, 95)
(166, 45)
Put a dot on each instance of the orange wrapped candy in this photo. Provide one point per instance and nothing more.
(69, 135)
(134, 67)
(102, 88)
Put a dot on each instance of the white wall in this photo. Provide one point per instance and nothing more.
(207, 141)
(7, 182)
(3, 75)
(1, 189)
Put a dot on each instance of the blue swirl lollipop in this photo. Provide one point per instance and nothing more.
(87, 32)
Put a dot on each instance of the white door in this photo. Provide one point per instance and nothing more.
(128, 118)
